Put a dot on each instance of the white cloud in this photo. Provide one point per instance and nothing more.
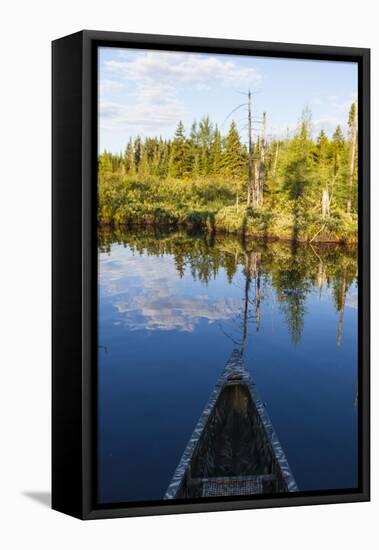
(174, 67)
(147, 295)
(151, 81)
(149, 115)
(108, 85)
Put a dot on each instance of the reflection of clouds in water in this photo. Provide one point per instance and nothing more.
(171, 312)
(149, 295)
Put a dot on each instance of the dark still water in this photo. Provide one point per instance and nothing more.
(173, 306)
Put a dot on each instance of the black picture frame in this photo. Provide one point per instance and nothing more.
(74, 271)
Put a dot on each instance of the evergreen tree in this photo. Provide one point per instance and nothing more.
(137, 151)
(337, 146)
(144, 163)
(339, 169)
(217, 153)
(179, 161)
(194, 151)
(205, 142)
(105, 165)
(233, 157)
(129, 158)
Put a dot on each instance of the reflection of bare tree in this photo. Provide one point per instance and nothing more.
(321, 271)
(256, 270)
(246, 299)
(342, 302)
(251, 308)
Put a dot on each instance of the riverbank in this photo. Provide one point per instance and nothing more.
(220, 206)
(262, 224)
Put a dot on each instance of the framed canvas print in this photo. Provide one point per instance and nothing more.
(210, 274)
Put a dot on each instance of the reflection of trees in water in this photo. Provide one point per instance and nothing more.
(252, 305)
(249, 312)
(342, 280)
(291, 271)
(293, 283)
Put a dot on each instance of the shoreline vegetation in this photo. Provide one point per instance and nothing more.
(297, 188)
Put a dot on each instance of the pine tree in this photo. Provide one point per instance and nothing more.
(205, 142)
(324, 174)
(164, 163)
(338, 168)
(129, 158)
(233, 157)
(137, 151)
(179, 161)
(105, 165)
(217, 153)
(143, 165)
(337, 145)
(194, 151)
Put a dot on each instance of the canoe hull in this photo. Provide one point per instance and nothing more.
(234, 449)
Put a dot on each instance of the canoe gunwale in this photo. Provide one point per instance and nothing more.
(234, 372)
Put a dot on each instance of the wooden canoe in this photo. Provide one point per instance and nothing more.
(234, 449)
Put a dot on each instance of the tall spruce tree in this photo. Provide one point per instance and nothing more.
(205, 142)
(217, 152)
(179, 160)
(233, 157)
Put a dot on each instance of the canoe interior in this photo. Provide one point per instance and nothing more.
(233, 455)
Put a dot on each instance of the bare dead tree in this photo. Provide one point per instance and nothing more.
(255, 162)
(353, 132)
(276, 158)
(325, 202)
(251, 198)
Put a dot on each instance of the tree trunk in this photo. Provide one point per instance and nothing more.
(325, 202)
(261, 180)
(250, 183)
(256, 183)
(352, 160)
(261, 170)
(321, 276)
(276, 158)
(246, 300)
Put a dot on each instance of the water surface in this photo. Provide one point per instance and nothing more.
(173, 306)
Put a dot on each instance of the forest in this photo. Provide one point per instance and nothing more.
(299, 188)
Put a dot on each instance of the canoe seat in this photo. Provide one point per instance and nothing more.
(234, 485)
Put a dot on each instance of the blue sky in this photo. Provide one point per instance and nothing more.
(146, 92)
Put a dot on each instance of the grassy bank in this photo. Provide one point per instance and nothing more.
(217, 205)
